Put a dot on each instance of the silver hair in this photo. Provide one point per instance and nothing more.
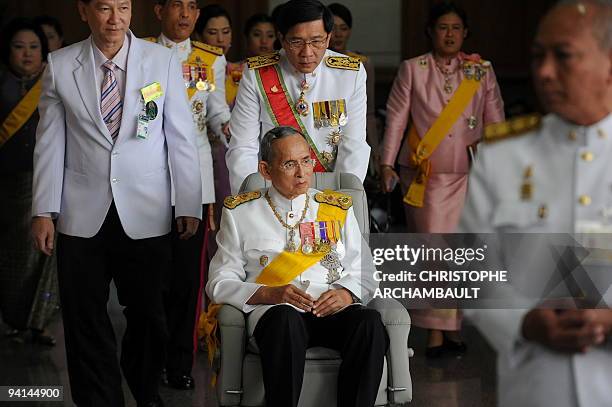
(265, 145)
(602, 18)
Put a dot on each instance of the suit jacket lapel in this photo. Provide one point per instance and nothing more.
(132, 104)
(85, 77)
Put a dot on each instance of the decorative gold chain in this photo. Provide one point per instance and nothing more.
(280, 219)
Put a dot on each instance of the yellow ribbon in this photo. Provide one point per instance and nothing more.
(208, 327)
(422, 149)
(21, 113)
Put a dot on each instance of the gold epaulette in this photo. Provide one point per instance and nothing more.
(233, 201)
(260, 61)
(208, 48)
(334, 198)
(150, 39)
(360, 57)
(513, 127)
(350, 63)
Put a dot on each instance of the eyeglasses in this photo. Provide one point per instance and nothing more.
(299, 44)
(292, 166)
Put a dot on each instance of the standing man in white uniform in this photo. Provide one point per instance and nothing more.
(203, 68)
(555, 177)
(305, 86)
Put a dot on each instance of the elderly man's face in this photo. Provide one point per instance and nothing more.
(290, 168)
(572, 74)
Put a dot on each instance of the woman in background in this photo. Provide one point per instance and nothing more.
(53, 31)
(260, 35)
(434, 165)
(28, 278)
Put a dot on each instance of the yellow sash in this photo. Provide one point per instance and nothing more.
(21, 113)
(422, 149)
(287, 266)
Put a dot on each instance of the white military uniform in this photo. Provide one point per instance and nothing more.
(209, 110)
(251, 118)
(251, 237)
(569, 172)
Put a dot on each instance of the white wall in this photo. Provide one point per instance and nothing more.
(377, 27)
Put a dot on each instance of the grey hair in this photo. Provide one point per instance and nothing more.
(265, 145)
(602, 18)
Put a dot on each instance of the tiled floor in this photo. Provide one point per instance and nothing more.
(464, 382)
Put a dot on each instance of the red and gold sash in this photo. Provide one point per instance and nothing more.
(281, 107)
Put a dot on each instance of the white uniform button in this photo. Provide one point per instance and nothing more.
(114, 180)
(588, 156)
(115, 154)
(585, 200)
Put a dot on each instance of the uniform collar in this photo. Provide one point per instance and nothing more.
(310, 77)
(182, 47)
(284, 204)
(120, 59)
(597, 134)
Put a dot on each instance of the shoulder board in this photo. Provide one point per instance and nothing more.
(150, 39)
(513, 127)
(260, 61)
(360, 57)
(233, 201)
(338, 199)
(208, 48)
(349, 63)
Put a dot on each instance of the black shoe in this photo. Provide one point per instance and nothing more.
(457, 348)
(435, 352)
(41, 338)
(157, 402)
(182, 382)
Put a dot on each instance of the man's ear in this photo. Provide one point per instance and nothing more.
(264, 170)
(81, 6)
(329, 35)
(157, 9)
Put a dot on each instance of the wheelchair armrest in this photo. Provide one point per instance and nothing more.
(397, 323)
(232, 336)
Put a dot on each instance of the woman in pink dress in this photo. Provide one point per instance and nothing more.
(423, 88)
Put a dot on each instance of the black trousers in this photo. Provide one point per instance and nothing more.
(182, 286)
(283, 335)
(85, 268)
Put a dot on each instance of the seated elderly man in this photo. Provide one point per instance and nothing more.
(291, 257)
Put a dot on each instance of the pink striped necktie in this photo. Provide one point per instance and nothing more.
(111, 105)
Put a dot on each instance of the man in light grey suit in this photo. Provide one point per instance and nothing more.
(113, 113)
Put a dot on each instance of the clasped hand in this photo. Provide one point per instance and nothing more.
(569, 331)
(328, 303)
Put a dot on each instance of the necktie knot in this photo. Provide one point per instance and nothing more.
(109, 65)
